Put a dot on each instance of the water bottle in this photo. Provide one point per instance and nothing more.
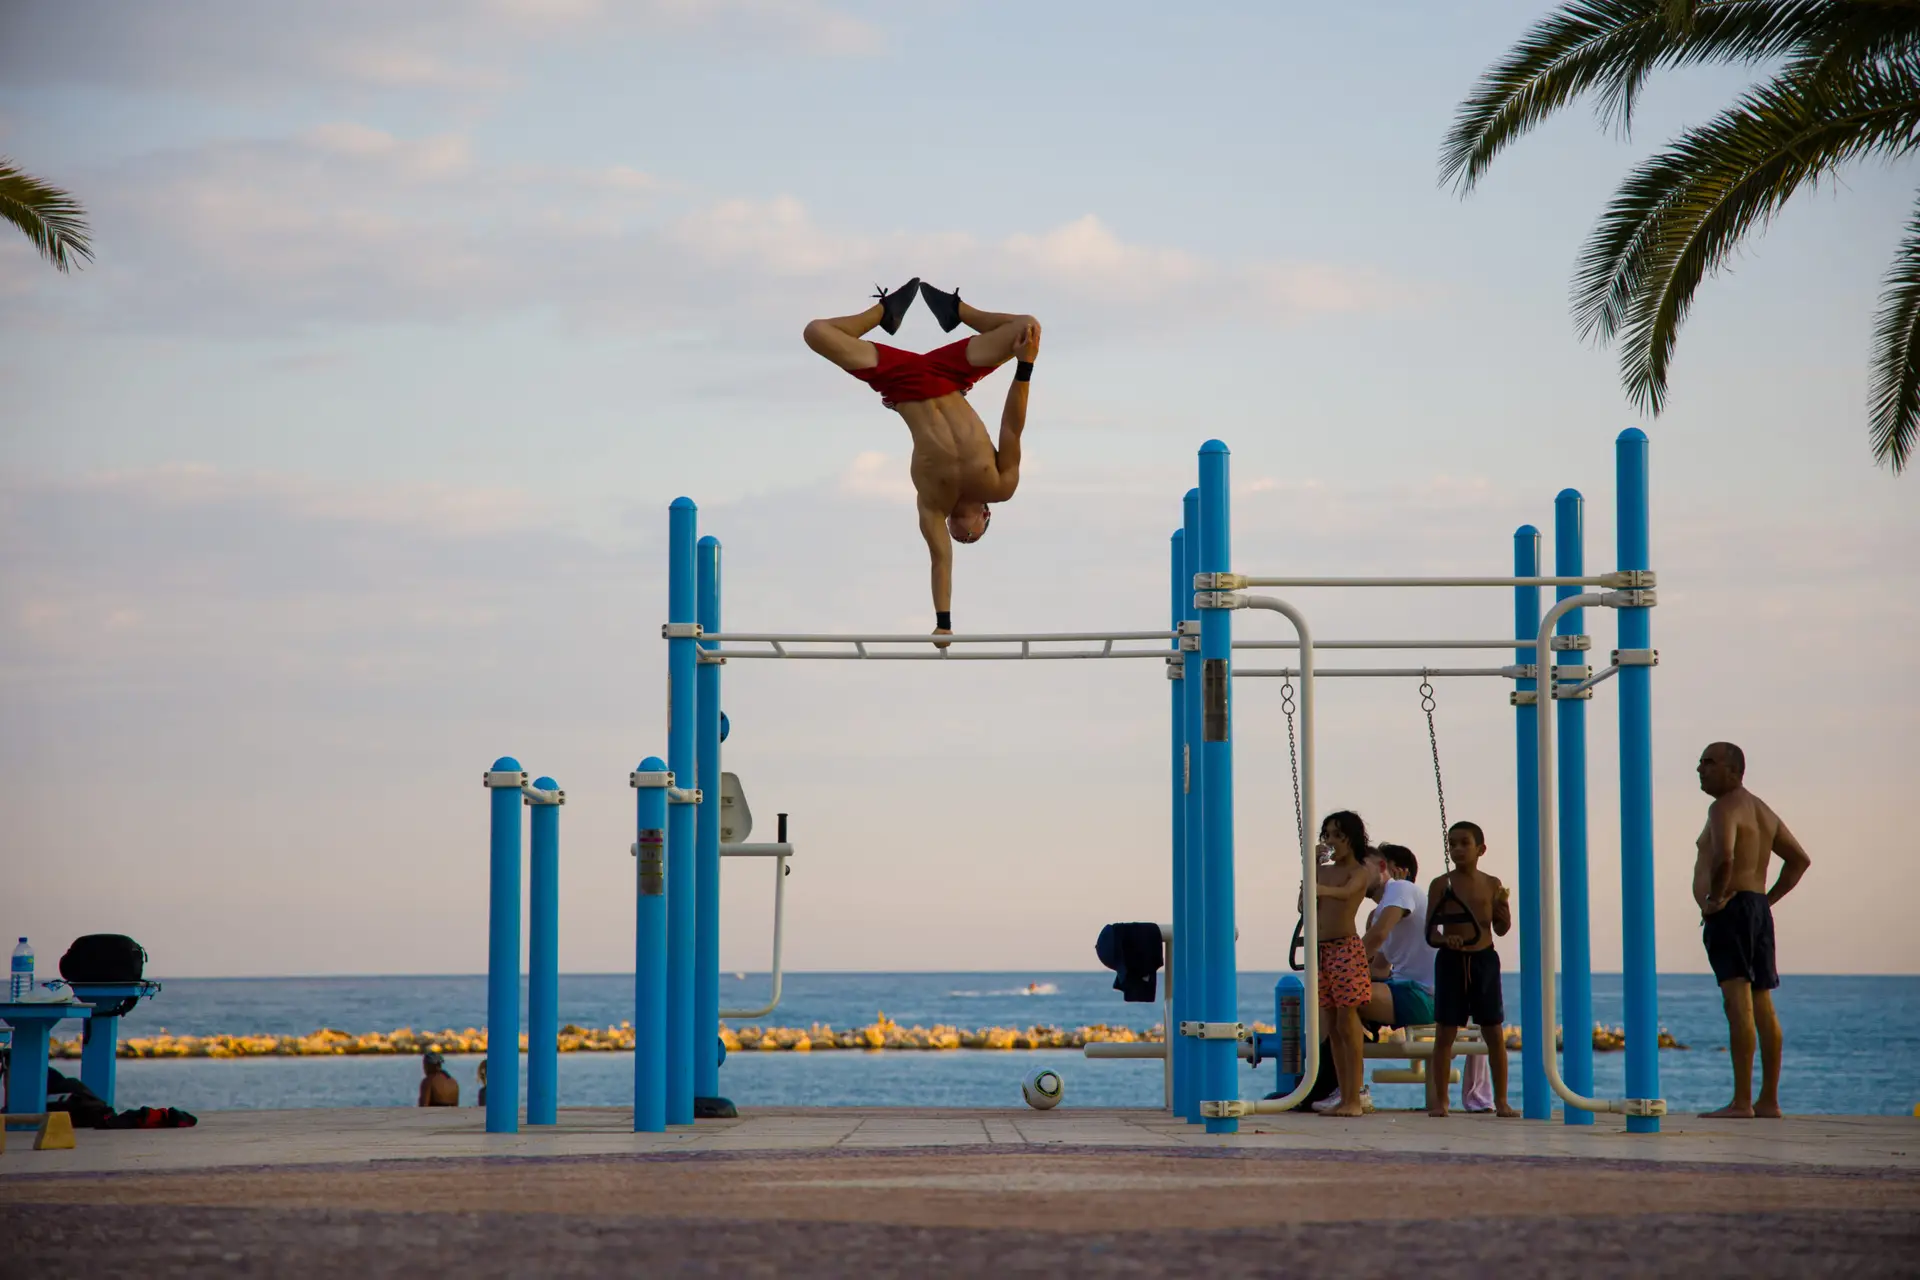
(22, 972)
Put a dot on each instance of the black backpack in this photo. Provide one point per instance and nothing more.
(104, 957)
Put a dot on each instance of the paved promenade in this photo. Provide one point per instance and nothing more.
(372, 1193)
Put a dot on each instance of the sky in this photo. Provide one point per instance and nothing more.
(344, 468)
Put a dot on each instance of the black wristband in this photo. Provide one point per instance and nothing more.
(1023, 371)
(943, 620)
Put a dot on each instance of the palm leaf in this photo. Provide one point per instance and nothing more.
(1677, 218)
(51, 218)
(1894, 397)
(1612, 46)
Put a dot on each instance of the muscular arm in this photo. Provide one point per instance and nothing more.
(933, 527)
(1723, 830)
(1793, 864)
(1013, 417)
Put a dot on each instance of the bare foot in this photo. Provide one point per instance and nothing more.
(1506, 1112)
(1767, 1110)
(1347, 1109)
(1732, 1111)
(942, 631)
(1438, 1113)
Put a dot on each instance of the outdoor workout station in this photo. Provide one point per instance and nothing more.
(689, 815)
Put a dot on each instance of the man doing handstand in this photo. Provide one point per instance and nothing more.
(956, 469)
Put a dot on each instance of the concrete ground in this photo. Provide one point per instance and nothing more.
(371, 1193)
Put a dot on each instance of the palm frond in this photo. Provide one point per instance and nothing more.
(1677, 218)
(49, 217)
(1613, 46)
(1894, 397)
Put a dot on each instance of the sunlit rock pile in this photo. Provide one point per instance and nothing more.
(882, 1033)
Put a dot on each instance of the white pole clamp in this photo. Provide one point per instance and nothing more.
(1570, 671)
(1631, 599)
(709, 658)
(504, 779)
(535, 795)
(662, 778)
(1636, 657)
(1573, 693)
(1523, 698)
(1217, 600)
(1630, 578)
(1571, 644)
(680, 631)
(1642, 1106)
(1218, 582)
(1214, 1030)
(1232, 1109)
(683, 795)
(1176, 669)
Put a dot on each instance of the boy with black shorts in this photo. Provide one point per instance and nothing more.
(1466, 908)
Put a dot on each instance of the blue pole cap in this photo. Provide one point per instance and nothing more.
(1632, 435)
(725, 726)
(1524, 532)
(652, 764)
(709, 541)
(1569, 495)
(544, 783)
(1215, 446)
(684, 503)
(505, 764)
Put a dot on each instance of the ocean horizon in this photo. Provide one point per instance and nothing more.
(1853, 1041)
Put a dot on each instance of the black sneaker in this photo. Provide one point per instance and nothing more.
(945, 306)
(893, 306)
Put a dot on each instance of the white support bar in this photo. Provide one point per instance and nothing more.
(1628, 578)
(1163, 635)
(863, 654)
(779, 853)
(756, 851)
(709, 658)
(504, 779)
(1397, 673)
(683, 795)
(535, 795)
(1388, 644)
(663, 778)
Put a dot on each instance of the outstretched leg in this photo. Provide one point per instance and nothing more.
(1766, 1024)
(839, 338)
(996, 334)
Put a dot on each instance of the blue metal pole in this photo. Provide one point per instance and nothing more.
(1182, 584)
(650, 948)
(1192, 926)
(1576, 962)
(504, 781)
(706, 944)
(99, 1038)
(1536, 1094)
(682, 815)
(1220, 997)
(543, 960)
(1640, 965)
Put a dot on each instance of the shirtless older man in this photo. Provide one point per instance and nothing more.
(1736, 919)
(956, 469)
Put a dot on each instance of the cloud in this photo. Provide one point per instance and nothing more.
(344, 224)
(878, 475)
(231, 48)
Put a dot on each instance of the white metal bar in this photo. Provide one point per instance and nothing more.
(1504, 673)
(1011, 637)
(779, 853)
(1594, 581)
(942, 656)
(1589, 682)
(1387, 644)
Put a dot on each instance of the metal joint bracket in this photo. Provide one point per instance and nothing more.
(1176, 669)
(1190, 627)
(709, 658)
(1572, 644)
(1570, 671)
(1214, 1030)
(683, 795)
(662, 778)
(1522, 671)
(1218, 582)
(1641, 1106)
(1631, 599)
(1523, 698)
(1630, 578)
(504, 779)
(1217, 600)
(680, 631)
(534, 795)
(1573, 693)
(1636, 657)
(1232, 1109)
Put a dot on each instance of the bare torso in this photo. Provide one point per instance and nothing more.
(1754, 827)
(1485, 897)
(439, 1090)
(1342, 888)
(954, 460)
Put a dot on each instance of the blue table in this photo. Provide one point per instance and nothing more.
(100, 1045)
(32, 1024)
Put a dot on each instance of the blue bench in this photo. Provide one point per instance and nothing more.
(32, 1025)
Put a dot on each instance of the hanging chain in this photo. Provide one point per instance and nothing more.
(1293, 758)
(1439, 785)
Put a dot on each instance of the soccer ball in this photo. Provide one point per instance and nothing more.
(1043, 1089)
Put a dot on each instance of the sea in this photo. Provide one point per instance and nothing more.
(1852, 1043)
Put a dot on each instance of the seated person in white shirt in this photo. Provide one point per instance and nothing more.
(1396, 943)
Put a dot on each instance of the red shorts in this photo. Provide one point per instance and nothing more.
(904, 376)
(1344, 983)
